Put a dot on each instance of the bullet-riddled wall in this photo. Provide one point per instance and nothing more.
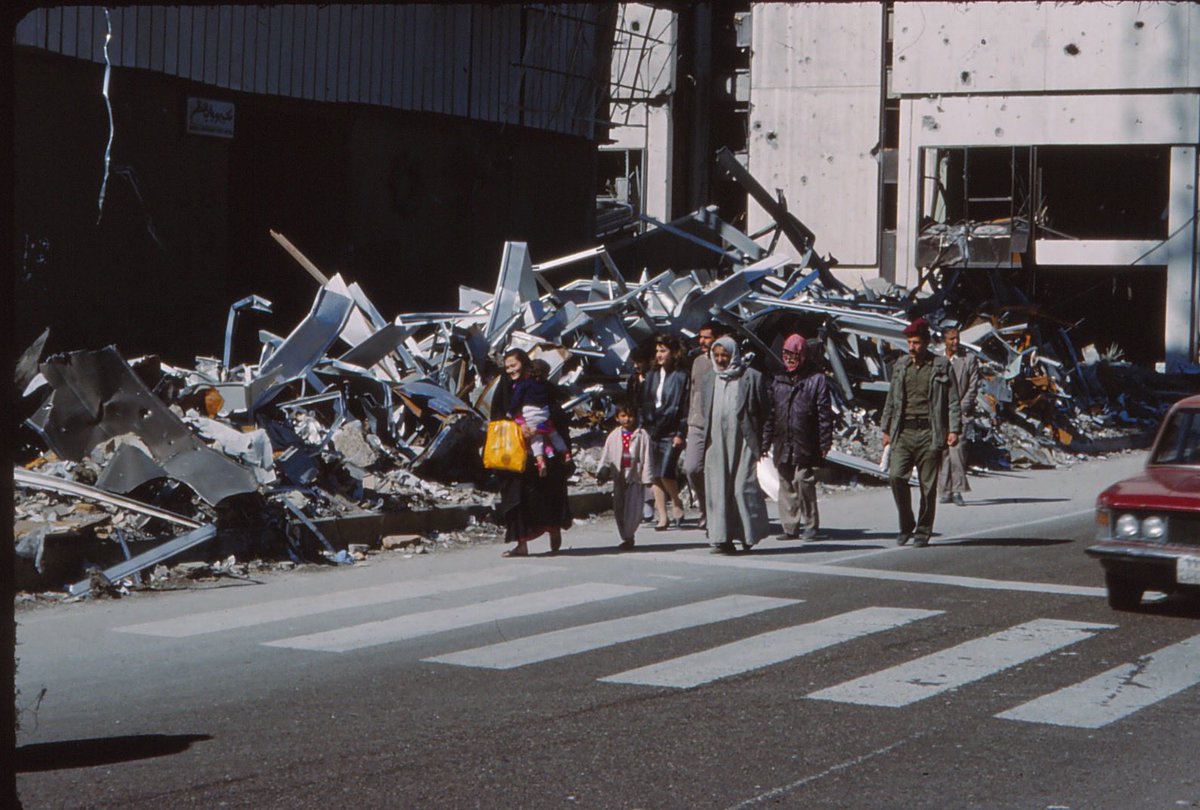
(851, 101)
(1060, 75)
(815, 82)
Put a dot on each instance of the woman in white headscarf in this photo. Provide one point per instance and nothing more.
(735, 400)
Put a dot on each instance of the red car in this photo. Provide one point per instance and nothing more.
(1148, 526)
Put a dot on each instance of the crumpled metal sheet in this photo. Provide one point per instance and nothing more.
(154, 556)
(97, 397)
(27, 364)
(972, 244)
(35, 480)
(417, 388)
(128, 468)
(516, 292)
(306, 345)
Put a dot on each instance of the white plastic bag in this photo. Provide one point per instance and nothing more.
(768, 477)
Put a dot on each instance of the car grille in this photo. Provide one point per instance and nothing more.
(1183, 530)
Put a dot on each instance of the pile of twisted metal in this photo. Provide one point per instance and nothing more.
(353, 414)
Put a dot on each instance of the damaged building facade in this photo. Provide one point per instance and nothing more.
(362, 417)
(156, 146)
(1047, 146)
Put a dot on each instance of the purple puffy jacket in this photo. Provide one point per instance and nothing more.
(799, 425)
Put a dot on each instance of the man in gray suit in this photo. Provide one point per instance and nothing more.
(693, 451)
(952, 482)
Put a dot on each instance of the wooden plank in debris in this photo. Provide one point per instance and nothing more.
(300, 257)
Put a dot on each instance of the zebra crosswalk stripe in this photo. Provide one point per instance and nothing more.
(400, 628)
(574, 640)
(768, 648)
(216, 621)
(959, 665)
(1117, 693)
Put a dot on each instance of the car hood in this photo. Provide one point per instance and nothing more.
(1173, 488)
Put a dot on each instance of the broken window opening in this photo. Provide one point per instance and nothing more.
(1104, 192)
(976, 205)
(976, 184)
(620, 190)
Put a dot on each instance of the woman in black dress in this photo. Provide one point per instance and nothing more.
(530, 504)
(664, 416)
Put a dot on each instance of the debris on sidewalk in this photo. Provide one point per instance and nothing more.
(352, 414)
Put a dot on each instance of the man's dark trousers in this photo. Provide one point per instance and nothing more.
(914, 447)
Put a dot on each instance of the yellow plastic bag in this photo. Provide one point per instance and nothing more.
(504, 448)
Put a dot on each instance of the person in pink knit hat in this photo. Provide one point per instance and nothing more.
(799, 428)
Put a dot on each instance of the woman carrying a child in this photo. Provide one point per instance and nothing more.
(533, 502)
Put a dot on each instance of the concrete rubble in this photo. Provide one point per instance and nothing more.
(323, 446)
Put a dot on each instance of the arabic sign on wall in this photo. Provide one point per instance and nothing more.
(208, 117)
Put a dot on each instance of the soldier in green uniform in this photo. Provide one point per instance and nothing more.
(921, 418)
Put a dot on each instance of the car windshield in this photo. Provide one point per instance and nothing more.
(1180, 442)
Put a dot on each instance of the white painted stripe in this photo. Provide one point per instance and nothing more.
(768, 648)
(960, 665)
(766, 564)
(775, 795)
(574, 640)
(1119, 692)
(1006, 530)
(413, 625)
(216, 621)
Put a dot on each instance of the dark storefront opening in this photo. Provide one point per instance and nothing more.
(1061, 192)
(1107, 305)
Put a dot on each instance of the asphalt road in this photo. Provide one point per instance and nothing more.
(983, 671)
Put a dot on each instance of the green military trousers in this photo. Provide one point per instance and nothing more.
(914, 448)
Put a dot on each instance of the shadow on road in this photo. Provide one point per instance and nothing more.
(1013, 542)
(53, 756)
(1007, 501)
(1176, 605)
(814, 546)
(643, 544)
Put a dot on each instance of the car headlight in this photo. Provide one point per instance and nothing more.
(1154, 528)
(1127, 526)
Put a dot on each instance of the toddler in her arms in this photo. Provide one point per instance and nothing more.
(626, 460)
(530, 405)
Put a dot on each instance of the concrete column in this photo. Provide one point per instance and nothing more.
(701, 157)
(659, 159)
(1183, 267)
(660, 143)
(908, 212)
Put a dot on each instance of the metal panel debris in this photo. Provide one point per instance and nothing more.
(36, 480)
(394, 421)
(152, 557)
(97, 397)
